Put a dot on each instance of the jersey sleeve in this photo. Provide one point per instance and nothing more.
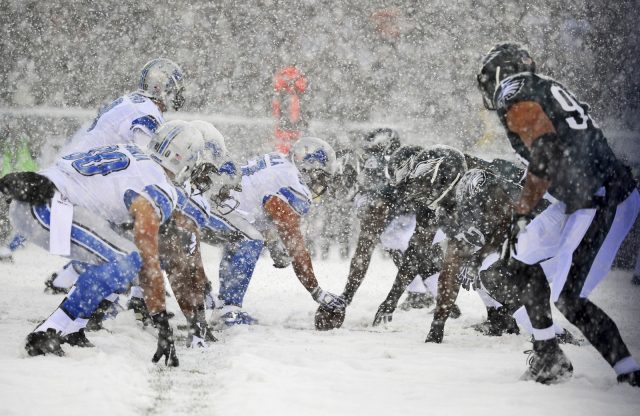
(295, 198)
(162, 200)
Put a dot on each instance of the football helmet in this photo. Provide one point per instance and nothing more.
(425, 177)
(502, 61)
(316, 162)
(217, 175)
(178, 147)
(383, 141)
(162, 80)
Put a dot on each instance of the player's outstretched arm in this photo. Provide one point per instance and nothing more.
(287, 223)
(145, 231)
(448, 288)
(372, 224)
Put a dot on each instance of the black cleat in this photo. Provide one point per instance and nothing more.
(77, 339)
(547, 363)
(635, 280)
(52, 289)
(44, 342)
(632, 378)
(498, 322)
(568, 338)
(416, 300)
(95, 320)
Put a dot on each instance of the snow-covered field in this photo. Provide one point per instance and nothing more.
(283, 366)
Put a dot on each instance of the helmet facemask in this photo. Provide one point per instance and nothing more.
(216, 185)
(317, 180)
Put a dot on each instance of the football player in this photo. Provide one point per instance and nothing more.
(594, 203)
(276, 193)
(69, 207)
(421, 256)
(131, 118)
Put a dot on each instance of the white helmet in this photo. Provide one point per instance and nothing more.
(217, 175)
(161, 80)
(178, 147)
(316, 162)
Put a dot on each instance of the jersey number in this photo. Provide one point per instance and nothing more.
(569, 104)
(102, 161)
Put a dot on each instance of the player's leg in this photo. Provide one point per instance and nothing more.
(182, 261)
(543, 238)
(592, 261)
(112, 263)
(236, 270)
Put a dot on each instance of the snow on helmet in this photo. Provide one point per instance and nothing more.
(218, 174)
(427, 176)
(178, 147)
(316, 162)
(162, 80)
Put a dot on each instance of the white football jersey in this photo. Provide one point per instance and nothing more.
(106, 180)
(132, 118)
(271, 175)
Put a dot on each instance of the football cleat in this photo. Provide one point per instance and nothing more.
(238, 317)
(52, 289)
(415, 300)
(632, 378)
(568, 338)
(547, 363)
(498, 322)
(44, 342)
(77, 339)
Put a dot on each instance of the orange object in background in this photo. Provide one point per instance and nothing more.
(289, 85)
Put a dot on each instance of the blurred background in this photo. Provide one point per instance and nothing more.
(405, 64)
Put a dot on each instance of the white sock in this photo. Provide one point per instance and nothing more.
(626, 365)
(431, 283)
(113, 298)
(136, 292)
(75, 326)
(66, 277)
(417, 286)
(558, 329)
(488, 301)
(58, 320)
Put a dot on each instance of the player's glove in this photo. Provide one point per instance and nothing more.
(328, 300)
(384, 315)
(200, 334)
(518, 224)
(166, 345)
(469, 275)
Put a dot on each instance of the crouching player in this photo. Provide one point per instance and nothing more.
(69, 208)
(276, 193)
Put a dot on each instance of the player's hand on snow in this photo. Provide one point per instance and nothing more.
(328, 300)
(384, 315)
(436, 333)
(166, 345)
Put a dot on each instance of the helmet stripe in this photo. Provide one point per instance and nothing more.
(168, 139)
